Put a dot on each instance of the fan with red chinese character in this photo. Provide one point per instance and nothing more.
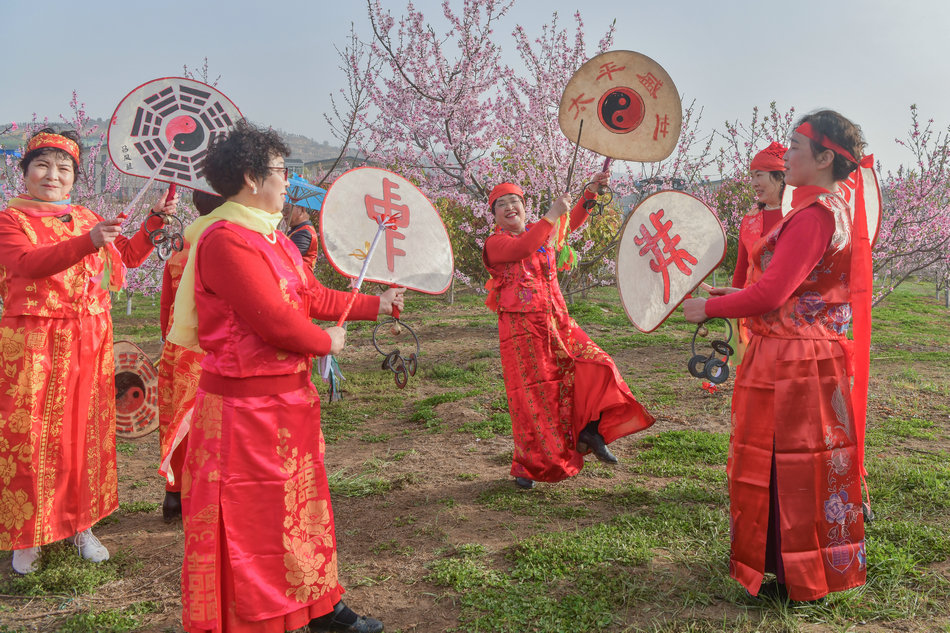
(367, 208)
(669, 243)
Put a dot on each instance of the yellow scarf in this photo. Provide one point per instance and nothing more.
(184, 330)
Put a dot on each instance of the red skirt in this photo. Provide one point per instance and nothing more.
(260, 545)
(557, 380)
(57, 428)
(792, 398)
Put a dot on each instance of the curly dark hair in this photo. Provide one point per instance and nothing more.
(246, 149)
(843, 132)
(56, 152)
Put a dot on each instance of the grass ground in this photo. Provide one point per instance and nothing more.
(433, 536)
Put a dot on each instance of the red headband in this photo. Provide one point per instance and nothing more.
(503, 190)
(806, 130)
(770, 159)
(45, 139)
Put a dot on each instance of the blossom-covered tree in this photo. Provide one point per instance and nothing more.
(915, 228)
(360, 65)
(449, 115)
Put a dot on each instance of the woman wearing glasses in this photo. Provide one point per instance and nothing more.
(260, 547)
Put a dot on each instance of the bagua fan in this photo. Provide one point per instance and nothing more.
(161, 131)
(377, 226)
(136, 391)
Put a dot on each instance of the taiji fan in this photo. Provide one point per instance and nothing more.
(668, 245)
(166, 125)
(415, 250)
(136, 391)
(623, 105)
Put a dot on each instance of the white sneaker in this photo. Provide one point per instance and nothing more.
(89, 546)
(26, 561)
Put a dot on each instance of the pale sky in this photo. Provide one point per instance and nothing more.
(868, 59)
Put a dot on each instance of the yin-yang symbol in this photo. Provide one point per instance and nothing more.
(621, 110)
(185, 133)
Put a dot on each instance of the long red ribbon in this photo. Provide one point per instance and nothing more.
(861, 291)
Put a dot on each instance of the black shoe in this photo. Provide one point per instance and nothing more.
(342, 618)
(773, 590)
(593, 441)
(171, 506)
(524, 482)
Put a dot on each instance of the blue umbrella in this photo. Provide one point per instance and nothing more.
(303, 194)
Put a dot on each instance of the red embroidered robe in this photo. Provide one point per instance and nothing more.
(57, 376)
(178, 371)
(792, 408)
(556, 378)
(260, 546)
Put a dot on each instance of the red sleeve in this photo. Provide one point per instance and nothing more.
(502, 248)
(224, 257)
(136, 249)
(328, 304)
(579, 214)
(168, 299)
(799, 248)
(28, 260)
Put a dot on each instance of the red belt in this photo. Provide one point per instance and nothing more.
(250, 386)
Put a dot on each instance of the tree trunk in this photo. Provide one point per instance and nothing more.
(128, 302)
(450, 294)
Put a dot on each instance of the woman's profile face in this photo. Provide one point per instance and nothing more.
(801, 166)
(49, 177)
(766, 188)
(274, 186)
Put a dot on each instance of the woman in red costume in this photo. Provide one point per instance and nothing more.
(768, 183)
(178, 371)
(565, 395)
(260, 545)
(796, 452)
(58, 261)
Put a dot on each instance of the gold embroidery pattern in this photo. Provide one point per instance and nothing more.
(36, 407)
(308, 528)
(201, 605)
(69, 292)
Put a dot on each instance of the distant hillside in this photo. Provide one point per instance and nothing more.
(307, 149)
(302, 147)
